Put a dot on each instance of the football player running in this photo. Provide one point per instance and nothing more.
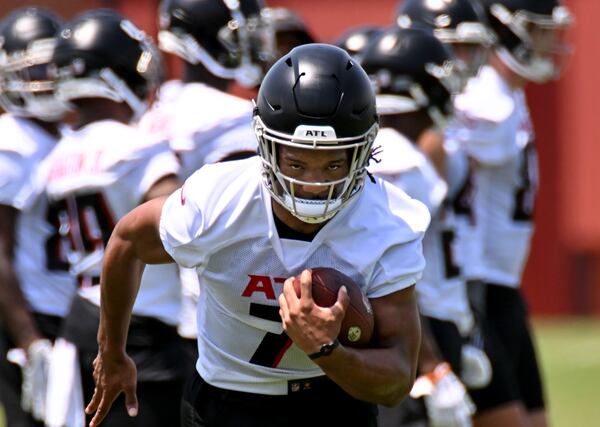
(35, 292)
(102, 169)
(499, 139)
(269, 357)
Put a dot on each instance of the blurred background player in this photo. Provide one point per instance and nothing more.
(35, 292)
(220, 42)
(108, 69)
(414, 76)
(461, 25)
(494, 127)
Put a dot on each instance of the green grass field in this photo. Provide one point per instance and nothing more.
(570, 358)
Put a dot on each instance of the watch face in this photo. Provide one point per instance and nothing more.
(325, 350)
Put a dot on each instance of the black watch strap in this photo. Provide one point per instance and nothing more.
(325, 350)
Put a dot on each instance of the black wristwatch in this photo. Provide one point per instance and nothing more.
(325, 350)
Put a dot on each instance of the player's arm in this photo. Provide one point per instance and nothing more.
(163, 187)
(429, 354)
(14, 313)
(384, 373)
(431, 143)
(135, 241)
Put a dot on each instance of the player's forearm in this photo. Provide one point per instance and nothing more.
(381, 376)
(118, 288)
(430, 355)
(14, 312)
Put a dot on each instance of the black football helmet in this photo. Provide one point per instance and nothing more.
(27, 41)
(459, 23)
(529, 34)
(411, 70)
(315, 97)
(231, 38)
(101, 54)
(356, 39)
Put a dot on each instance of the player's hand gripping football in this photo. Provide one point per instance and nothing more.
(114, 372)
(447, 402)
(307, 324)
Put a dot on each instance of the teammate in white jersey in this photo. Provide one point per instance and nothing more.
(99, 172)
(249, 225)
(35, 292)
(494, 127)
(415, 78)
(196, 112)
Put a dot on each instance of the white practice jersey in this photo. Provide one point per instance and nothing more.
(499, 137)
(203, 125)
(48, 289)
(441, 290)
(95, 176)
(221, 223)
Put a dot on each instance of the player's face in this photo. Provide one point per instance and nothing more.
(314, 166)
(472, 55)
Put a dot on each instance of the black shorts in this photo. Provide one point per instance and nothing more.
(325, 404)
(10, 374)
(160, 357)
(449, 341)
(508, 344)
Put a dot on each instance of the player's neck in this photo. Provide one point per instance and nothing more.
(514, 80)
(98, 109)
(198, 73)
(411, 125)
(292, 222)
(51, 128)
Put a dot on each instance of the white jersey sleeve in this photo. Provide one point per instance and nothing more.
(405, 166)
(189, 213)
(487, 129)
(22, 147)
(13, 172)
(89, 160)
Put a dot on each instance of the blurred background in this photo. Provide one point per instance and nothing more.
(562, 279)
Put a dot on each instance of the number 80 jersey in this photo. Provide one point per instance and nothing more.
(95, 176)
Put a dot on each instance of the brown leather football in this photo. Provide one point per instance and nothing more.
(357, 326)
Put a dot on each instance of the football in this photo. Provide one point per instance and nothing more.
(357, 326)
